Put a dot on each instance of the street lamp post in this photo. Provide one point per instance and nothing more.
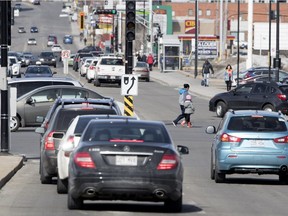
(196, 39)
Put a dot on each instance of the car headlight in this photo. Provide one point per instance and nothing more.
(53, 59)
(41, 59)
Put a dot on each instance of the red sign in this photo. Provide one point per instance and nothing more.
(189, 26)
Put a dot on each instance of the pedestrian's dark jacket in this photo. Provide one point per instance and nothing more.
(207, 67)
(144, 58)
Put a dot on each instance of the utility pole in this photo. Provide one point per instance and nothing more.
(250, 34)
(196, 40)
(151, 27)
(277, 60)
(5, 38)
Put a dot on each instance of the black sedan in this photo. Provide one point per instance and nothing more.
(34, 29)
(270, 96)
(126, 160)
(38, 71)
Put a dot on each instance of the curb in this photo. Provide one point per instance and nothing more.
(19, 164)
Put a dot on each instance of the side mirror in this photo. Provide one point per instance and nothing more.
(54, 72)
(182, 149)
(30, 101)
(40, 130)
(210, 130)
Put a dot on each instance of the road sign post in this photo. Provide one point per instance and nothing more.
(129, 88)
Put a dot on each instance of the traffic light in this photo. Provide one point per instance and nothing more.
(130, 20)
(105, 11)
(81, 20)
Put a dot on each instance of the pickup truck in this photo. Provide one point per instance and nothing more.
(109, 69)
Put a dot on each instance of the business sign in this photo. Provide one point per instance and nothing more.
(207, 49)
(190, 26)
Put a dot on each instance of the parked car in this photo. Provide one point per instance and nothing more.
(24, 85)
(130, 155)
(84, 64)
(35, 2)
(250, 141)
(77, 59)
(88, 49)
(34, 29)
(21, 29)
(90, 74)
(270, 96)
(38, 71)
(34, 105)
(68, 39)
(71, 59)
(31, 41)
(58, 124)
(142, 70)
(263, 75)
(70, 141)
(14, 66)
(48, 58)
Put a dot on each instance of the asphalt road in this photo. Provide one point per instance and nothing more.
(244, 194)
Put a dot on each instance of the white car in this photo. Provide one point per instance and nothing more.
(91, 70)
(70, 141)
(32, 41)
(56, 48)
(84, 66)
(14, 66)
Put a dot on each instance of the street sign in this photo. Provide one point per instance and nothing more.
(65, 54)
(129, 84)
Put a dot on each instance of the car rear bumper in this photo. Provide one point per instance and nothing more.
(115, 188)
(261, 163)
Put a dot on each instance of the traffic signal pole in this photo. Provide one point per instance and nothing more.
(4, 40)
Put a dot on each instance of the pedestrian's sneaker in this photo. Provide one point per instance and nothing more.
(183, 123)
(189, 125)
(174, 124)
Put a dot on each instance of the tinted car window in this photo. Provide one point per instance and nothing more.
(66, 115)
(257, 123)
(118, 132)
(107, 61)
(74, 93)
(45, 96)
(245, 89)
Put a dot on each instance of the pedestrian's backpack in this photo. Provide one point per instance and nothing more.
(202, 82)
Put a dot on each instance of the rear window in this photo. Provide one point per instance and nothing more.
(108, 61)
(119, 132)
(65, 116)
(257, 123)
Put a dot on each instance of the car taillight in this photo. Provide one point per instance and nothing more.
(227, 138)
(91, 67)
(83, 159)
(49, 142)
(168, 162)
(70, 142)
(282, 97)
(281, 140)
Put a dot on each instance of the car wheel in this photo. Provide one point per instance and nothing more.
(221, 109)
(212, 169)
(14, 123)
(97, 83)
(219, 177)
(55, 66)
(44, 178)
(269, 108)
(147, 79)
(62, 186)
(74, 203)
(173, 205)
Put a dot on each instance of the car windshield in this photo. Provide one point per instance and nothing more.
(118, 132)
(257, 123)
(141, 64)
(47, 54)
